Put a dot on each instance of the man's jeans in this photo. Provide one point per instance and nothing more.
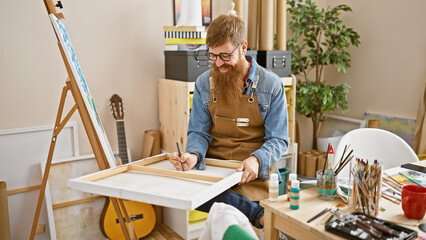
(251, 209)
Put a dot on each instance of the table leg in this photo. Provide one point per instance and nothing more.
(270, 233)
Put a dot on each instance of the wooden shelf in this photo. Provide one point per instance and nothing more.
(174, 112)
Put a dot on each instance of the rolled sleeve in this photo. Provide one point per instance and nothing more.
(199, 123)
(276, 132)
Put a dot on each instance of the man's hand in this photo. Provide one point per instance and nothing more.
(250, 166)
(188, 159)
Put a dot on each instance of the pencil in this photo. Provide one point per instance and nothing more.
(181, 163)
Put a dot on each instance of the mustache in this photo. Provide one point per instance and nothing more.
(224, 66)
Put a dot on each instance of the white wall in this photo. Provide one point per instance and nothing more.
(388, 68)
(120, 48)
(119, 45)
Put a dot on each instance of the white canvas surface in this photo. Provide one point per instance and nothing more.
(158, 189)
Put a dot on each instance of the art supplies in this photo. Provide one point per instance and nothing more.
(343, 160)
(414, 167)
(326, 184)
(361, 226)
(410, 178)
(330, 157)
(366, 189)
(391, 189)
(326, 158)
(326, 179)
(319, 214)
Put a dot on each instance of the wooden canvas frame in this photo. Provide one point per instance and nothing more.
(219, 176)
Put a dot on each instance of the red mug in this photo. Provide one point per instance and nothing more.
(414, 201)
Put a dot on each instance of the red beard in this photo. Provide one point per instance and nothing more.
(229, 85)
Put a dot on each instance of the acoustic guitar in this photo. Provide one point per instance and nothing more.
(141, 214)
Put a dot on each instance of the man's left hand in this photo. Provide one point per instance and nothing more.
(250, 167)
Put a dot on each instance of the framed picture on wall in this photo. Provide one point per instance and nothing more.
(206, 11)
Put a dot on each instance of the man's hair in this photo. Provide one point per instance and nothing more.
(225, 28)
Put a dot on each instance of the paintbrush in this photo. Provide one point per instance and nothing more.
(393, 180)
(344, 164)
(181, 163)
(326, 157)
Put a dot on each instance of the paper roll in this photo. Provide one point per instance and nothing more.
(252, 25)
(190, 13)
(311, 165)
(281, 24)
(239, 8)
(4, 213)
(320, 161)
(301, 163)
(267, 25)
(151, 143)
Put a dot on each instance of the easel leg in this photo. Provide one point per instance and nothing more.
(132, 230)
(58, 127)
(116, 206)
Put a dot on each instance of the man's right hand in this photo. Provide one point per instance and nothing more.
(188, 159)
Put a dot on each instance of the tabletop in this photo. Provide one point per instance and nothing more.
(294, 222)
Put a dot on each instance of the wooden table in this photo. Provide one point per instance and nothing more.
(279, 216)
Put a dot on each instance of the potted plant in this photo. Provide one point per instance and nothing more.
(320, 38)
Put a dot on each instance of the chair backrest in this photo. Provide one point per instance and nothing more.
(373, 143)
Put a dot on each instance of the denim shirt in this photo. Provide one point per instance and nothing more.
(273, 108)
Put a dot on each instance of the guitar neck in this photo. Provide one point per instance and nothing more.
(122, 146)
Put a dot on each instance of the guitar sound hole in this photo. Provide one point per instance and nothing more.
(132, 218)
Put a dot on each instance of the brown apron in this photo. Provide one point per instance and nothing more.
(237, 130)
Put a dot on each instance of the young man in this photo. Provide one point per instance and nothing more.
(239, 112)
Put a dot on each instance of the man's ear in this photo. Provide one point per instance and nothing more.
(244, 47)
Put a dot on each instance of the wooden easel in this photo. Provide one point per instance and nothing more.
(71, 85)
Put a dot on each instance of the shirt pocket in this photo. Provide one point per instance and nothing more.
(224, 127)
(263, 108)
(205, 97)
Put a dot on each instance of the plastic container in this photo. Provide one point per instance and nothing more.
(273, 187)
(294, 194)
(292, 176)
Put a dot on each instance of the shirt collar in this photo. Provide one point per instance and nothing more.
(254, 68)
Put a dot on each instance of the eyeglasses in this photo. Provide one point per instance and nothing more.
(223, 56)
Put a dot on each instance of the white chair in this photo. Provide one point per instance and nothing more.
(373, 143)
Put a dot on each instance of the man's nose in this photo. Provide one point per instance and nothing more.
(219, 62)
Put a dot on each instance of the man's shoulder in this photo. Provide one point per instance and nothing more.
(269, 78)
(203, 81)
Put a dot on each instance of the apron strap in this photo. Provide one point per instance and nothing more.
(212, 85)
(254, 86)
